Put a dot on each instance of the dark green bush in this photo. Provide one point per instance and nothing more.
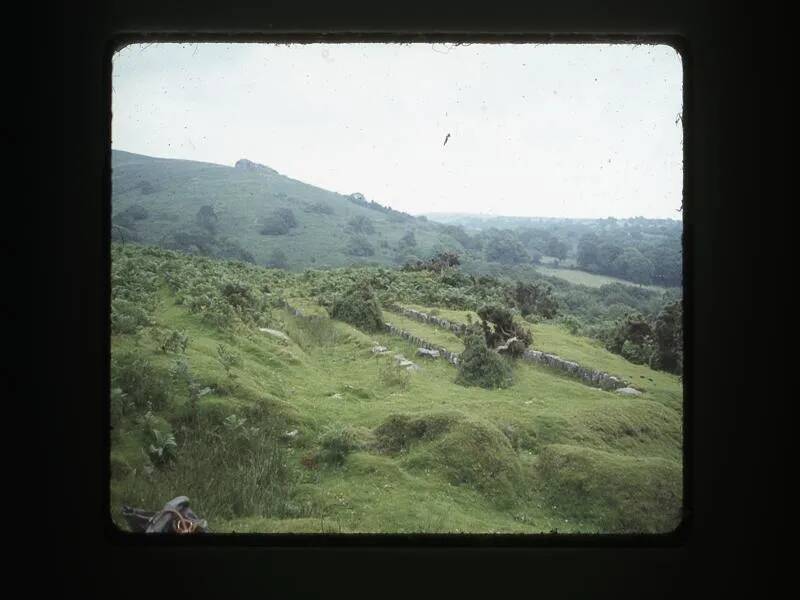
(359, 307)
(127, 316)
(480, 366)
(143, 386)
(358, 245)
(336, 443)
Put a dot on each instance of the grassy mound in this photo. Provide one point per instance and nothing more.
(464, 451)
(398, 432)
(619, 494)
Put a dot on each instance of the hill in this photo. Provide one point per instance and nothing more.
(251, 212)
(271, 420)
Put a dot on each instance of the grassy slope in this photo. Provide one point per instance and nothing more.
(481, 475)
(554, 339)
(241, 198)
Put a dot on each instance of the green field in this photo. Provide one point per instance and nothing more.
(376, 448)
(589, 279)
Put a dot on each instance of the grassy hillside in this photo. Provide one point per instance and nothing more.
(156, 201)
(307, 430)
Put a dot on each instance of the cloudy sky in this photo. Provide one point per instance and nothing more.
(535, 130)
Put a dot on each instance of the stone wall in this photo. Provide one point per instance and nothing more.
(450, 357)
(592, 377)
(456, 328)
(589, 376)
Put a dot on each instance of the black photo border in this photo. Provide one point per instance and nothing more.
(711, 553)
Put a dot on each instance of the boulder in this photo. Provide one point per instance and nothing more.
(427, 353)
(379, 350)
(629, 391)
(274, 333)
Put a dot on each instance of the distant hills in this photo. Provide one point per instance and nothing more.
(251, 212)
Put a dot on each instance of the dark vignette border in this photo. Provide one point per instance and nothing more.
(553, 539)
(730, 53)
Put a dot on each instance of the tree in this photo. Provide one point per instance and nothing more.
(556, 248)
(634, 328)
(588, 251)
(279, 222)
(668, 339)
(535, 298)
(504, 247)
(480, 366)
(631, 264)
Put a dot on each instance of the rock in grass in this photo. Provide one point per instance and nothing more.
(427, 353)
(629, 391)
(379, 350)
(274, 333)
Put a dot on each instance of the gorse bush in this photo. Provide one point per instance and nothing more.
(500, 330)
(280, 222)
(144, 387)
(170, 340)
(480, 366)
(359, 307)
(228, 359)
(127, 316)
(337, 442)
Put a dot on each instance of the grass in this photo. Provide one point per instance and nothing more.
(377, 450)
(589, 279)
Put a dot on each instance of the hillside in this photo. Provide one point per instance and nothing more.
(221, 211)
(273, 421)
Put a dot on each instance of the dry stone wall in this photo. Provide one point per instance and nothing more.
(589, 376)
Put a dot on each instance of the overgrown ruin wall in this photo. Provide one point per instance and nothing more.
(592, 377)
(450, 357)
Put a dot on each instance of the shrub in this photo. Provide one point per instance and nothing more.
(391, 376)
(636, 353)
(499, 329)
(311, 331)
(399, 432)
(336, 443)
(320, 208)
(171, 340)
(480, 366)
(143, 386)
(534, 298)
(228, 359)
(279, 222)
(358, 245)
(359, 307)
(127, 316)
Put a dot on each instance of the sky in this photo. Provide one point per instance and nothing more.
(541, 130)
